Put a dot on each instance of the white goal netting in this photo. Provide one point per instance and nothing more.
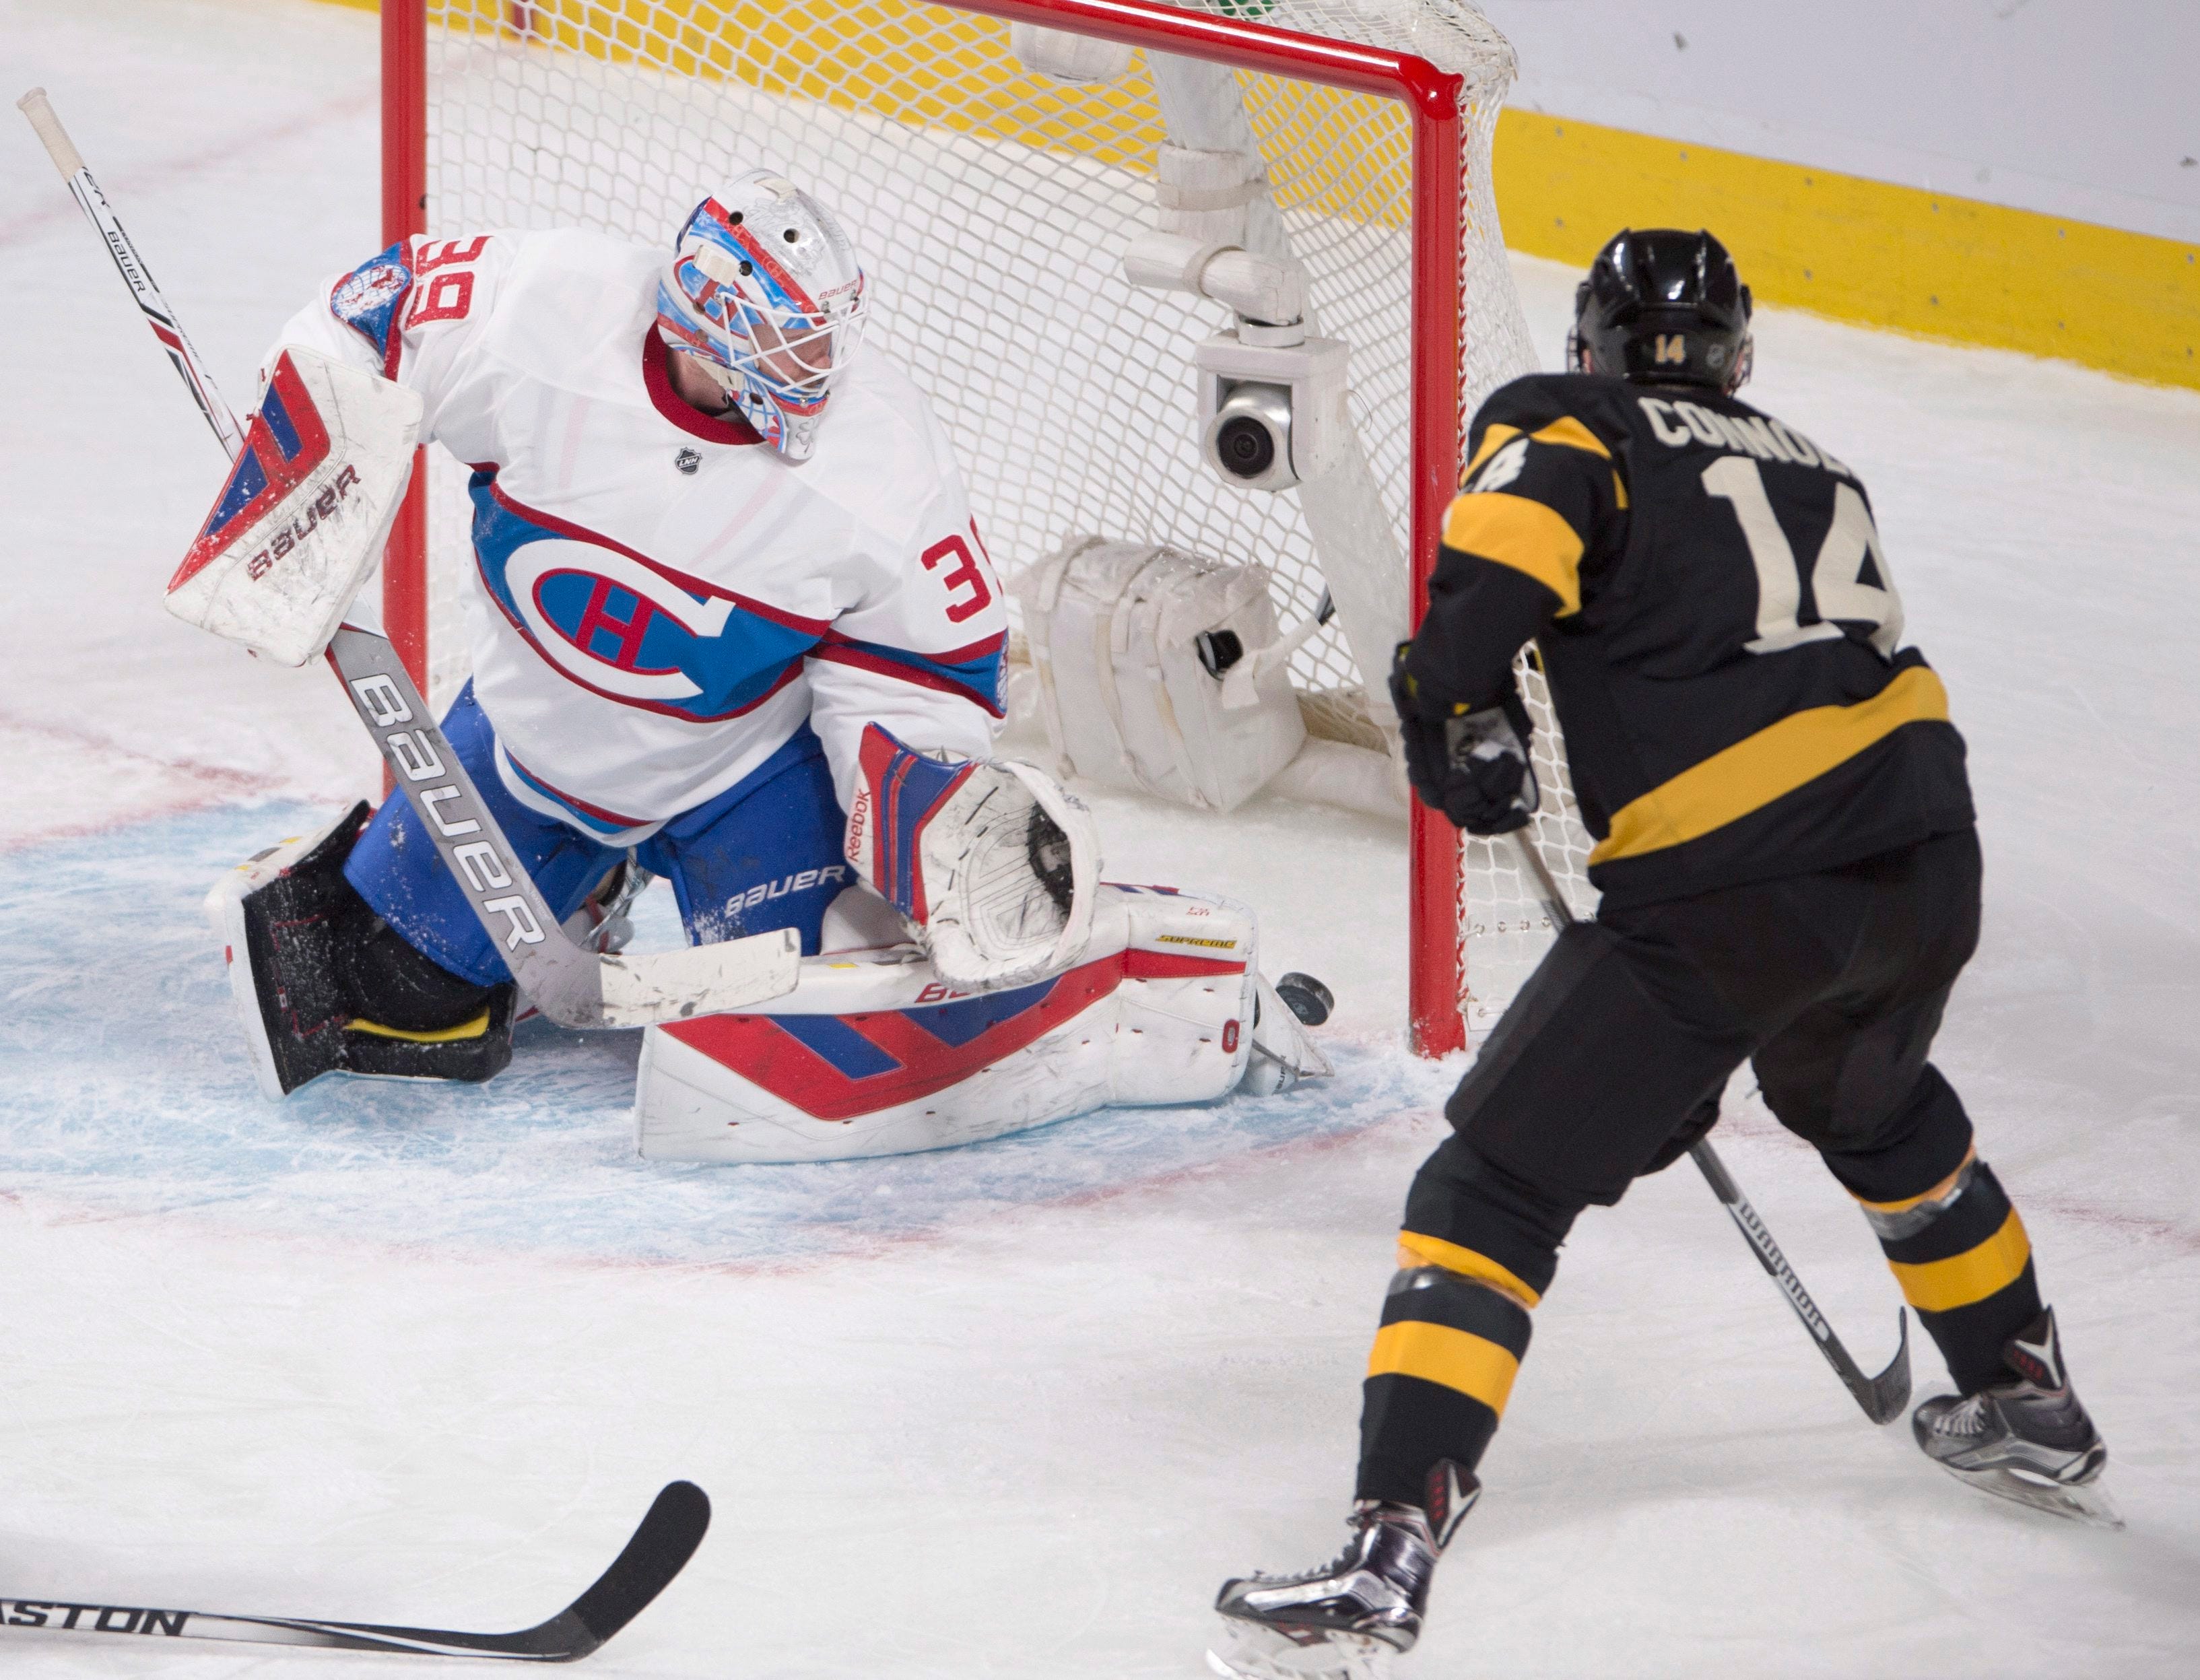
(993, 207)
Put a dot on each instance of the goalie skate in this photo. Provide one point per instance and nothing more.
(280, 916)
(2027, 1440)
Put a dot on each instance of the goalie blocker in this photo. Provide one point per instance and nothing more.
(308, 504)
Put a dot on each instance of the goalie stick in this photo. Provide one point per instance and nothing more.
(572, 986)
(1881, 1397)
(670, 1533)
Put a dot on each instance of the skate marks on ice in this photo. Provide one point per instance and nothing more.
(132, 1096)
(86, 783)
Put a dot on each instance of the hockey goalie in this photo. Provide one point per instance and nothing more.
(730, 623)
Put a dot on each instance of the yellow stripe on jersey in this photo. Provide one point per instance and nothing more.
(1565, 431)
(1416, 1249)
(1495, 439)
(1572, 434)
(1524, 534)
(1473, 1365)
(441, 1035)
(1942, 1286)
(1759, 769)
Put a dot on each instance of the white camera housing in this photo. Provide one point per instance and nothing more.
(1271, 415)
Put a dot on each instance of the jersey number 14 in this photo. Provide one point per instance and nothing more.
(1837, 584)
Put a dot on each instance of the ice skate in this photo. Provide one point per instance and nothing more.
(307, 960)
(2027, 1439)
(1345, 1620)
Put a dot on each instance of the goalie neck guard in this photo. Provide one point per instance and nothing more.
(764, 289)
(1660, 305)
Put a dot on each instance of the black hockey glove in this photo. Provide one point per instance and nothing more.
(1473, 766)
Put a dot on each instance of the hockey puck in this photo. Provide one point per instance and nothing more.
(1306, 998)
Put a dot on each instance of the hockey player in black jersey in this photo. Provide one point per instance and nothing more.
(1790, 876)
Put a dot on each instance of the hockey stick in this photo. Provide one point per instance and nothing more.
(181, 353)
(1882, 1397)
(572, 986)
(659, 1549)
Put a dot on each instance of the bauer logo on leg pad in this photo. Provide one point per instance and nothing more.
(306, 509)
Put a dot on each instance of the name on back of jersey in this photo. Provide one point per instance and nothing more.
(1679, 423)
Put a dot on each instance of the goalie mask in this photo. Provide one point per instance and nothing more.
(765, 292)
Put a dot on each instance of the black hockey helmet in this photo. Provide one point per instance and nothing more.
(1663, 306)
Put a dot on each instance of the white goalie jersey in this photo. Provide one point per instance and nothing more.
(659, 601)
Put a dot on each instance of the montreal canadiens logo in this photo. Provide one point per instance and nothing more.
(610, 622)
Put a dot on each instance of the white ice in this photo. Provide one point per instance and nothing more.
(1017, 1409)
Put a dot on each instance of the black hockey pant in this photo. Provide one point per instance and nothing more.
(1613, 1056)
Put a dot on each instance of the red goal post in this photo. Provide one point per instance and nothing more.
(1432, 102)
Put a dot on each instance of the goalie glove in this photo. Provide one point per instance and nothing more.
(1473, 766)
(991, 862)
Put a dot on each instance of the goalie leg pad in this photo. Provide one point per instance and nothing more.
(309, 961)
(876, 1055)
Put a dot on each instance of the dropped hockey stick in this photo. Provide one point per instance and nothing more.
(1882, 1397)
(660, 1548)
(572, 986)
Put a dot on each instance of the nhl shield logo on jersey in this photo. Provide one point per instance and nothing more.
(688, 461)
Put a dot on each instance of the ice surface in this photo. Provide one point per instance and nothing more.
(1017, 1409)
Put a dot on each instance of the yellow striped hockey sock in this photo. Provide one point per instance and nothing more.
(1451, 1338)
(1960, 1253)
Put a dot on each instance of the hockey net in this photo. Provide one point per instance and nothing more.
(993, 206)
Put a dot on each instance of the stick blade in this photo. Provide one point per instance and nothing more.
(1888, 1393)
(717, 979)
(677, 1520)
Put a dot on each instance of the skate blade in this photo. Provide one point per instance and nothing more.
(2089, 1505)
(1250, 1651)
